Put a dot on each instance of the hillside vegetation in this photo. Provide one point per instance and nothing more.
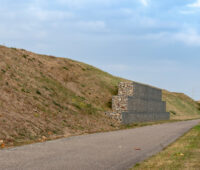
(47, 97)
(180, 106)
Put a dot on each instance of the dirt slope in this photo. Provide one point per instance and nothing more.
(43, 96)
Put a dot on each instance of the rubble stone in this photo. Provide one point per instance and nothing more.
(138, 103)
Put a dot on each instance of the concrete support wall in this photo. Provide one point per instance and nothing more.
(130, 117)
(138, 103)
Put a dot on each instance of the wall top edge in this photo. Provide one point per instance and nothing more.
(134, 82)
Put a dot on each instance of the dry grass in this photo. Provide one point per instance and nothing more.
(180, 106)
(183, 154)
(47, 96)
(44, 96)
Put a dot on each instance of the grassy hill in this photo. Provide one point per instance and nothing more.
(181, 106)
(48, 97)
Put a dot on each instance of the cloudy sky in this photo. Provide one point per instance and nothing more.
(149, 41)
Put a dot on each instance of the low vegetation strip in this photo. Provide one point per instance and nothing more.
(183, 154)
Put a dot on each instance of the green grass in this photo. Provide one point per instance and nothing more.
(183, 154)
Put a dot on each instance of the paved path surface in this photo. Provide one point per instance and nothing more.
(112, 150)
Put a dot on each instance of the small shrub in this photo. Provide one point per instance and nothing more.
(198, 106)
(24, 56)
(38, 92)
(109, 104)
(89, 105)
(23, 90)
(65, 68)
(3, 71)
(82, 98)
(36, 115)
(57, 104)
(90, 109)
(46, 88)
(114, 90)
(173, 112)
(35, 97)
(77, 106)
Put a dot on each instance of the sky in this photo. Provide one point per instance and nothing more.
(150, 41)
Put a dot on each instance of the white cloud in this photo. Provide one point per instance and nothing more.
(144, 2)
(82, 3)
(187, 12)
(44, 15)
(195, 4)
(190, 37)
(91, 26)
(148, 22)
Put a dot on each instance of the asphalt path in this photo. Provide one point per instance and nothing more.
(116, 150)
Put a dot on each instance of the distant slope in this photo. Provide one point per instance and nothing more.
(181, 106)
(44, 96)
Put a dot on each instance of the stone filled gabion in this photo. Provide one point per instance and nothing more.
(120, 102)
(137, 102)
(126, 89)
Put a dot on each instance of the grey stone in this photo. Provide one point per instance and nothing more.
(138, 103)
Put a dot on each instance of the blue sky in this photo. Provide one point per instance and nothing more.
(149, 41)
